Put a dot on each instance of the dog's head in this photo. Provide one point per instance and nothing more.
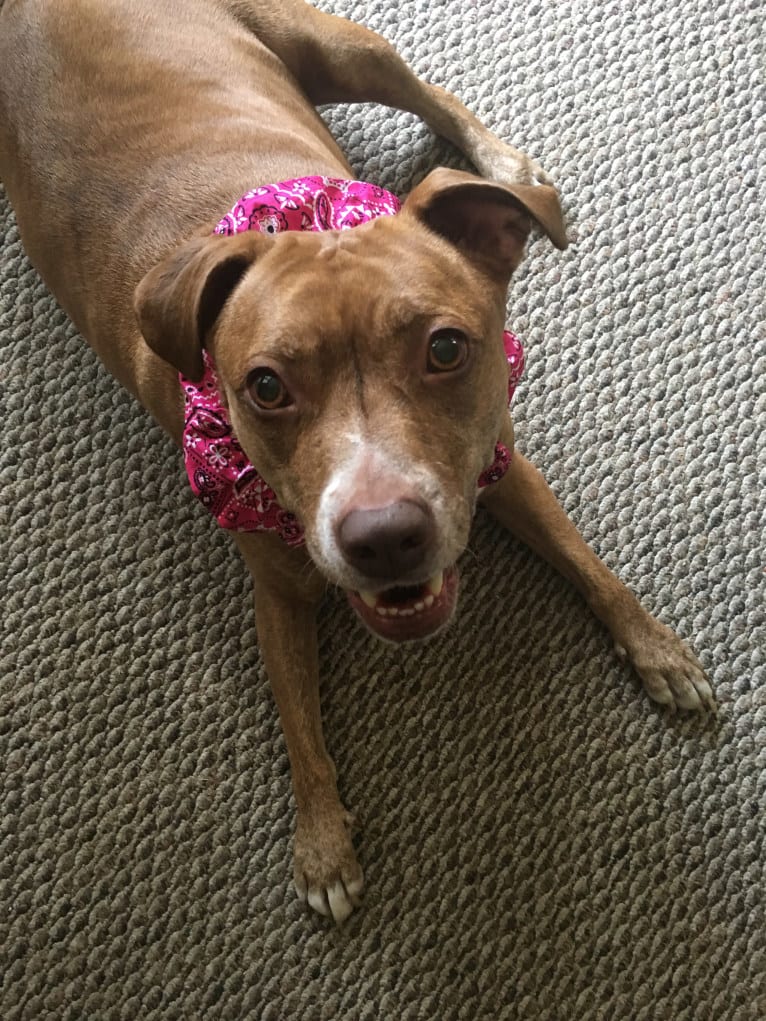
(365, 376)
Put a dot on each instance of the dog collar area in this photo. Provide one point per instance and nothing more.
(220, 473)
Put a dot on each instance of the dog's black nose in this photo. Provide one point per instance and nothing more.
(387, 542)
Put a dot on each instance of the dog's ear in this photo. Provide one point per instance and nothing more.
(179, 300)
(487, 220)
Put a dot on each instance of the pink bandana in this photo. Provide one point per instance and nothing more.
(219, 471)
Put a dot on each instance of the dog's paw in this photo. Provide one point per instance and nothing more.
(671, 673)
(327, 875)
(507, 165)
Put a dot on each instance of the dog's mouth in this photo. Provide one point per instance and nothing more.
(406, 613)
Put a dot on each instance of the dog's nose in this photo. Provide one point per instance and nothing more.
(387, 542)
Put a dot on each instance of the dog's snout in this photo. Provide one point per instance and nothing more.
(387, 542)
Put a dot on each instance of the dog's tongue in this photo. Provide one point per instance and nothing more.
(408, 612)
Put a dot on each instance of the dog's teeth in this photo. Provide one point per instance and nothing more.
(393, 612)
(368, 598)
(407, 613)
(381, 610)
(436, 583)
(428, 601)
(420, 606)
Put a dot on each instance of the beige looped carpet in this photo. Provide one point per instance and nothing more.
(540, 843)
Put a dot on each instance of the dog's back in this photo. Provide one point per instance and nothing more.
(86, 149)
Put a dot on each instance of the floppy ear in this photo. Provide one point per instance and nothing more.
(489, 221)
(178, 302)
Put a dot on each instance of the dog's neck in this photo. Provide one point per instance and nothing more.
(308, 203)
(219, 471)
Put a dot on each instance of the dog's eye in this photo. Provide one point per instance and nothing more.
(267, 390)
(447, 350)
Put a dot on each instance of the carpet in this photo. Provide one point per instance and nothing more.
(540, 842)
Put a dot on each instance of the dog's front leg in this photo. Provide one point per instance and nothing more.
(287, 592)
(523, 502)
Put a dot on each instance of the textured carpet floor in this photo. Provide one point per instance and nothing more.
(539, 841)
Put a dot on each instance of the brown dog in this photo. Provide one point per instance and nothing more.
(362, 370)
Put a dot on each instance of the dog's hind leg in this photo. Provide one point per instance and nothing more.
(337, 61)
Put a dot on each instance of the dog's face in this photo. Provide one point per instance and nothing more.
(365, 377)
(364, 373)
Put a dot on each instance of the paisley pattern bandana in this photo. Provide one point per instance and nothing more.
(219, 471)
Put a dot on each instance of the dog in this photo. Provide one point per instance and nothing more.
(334, 367)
